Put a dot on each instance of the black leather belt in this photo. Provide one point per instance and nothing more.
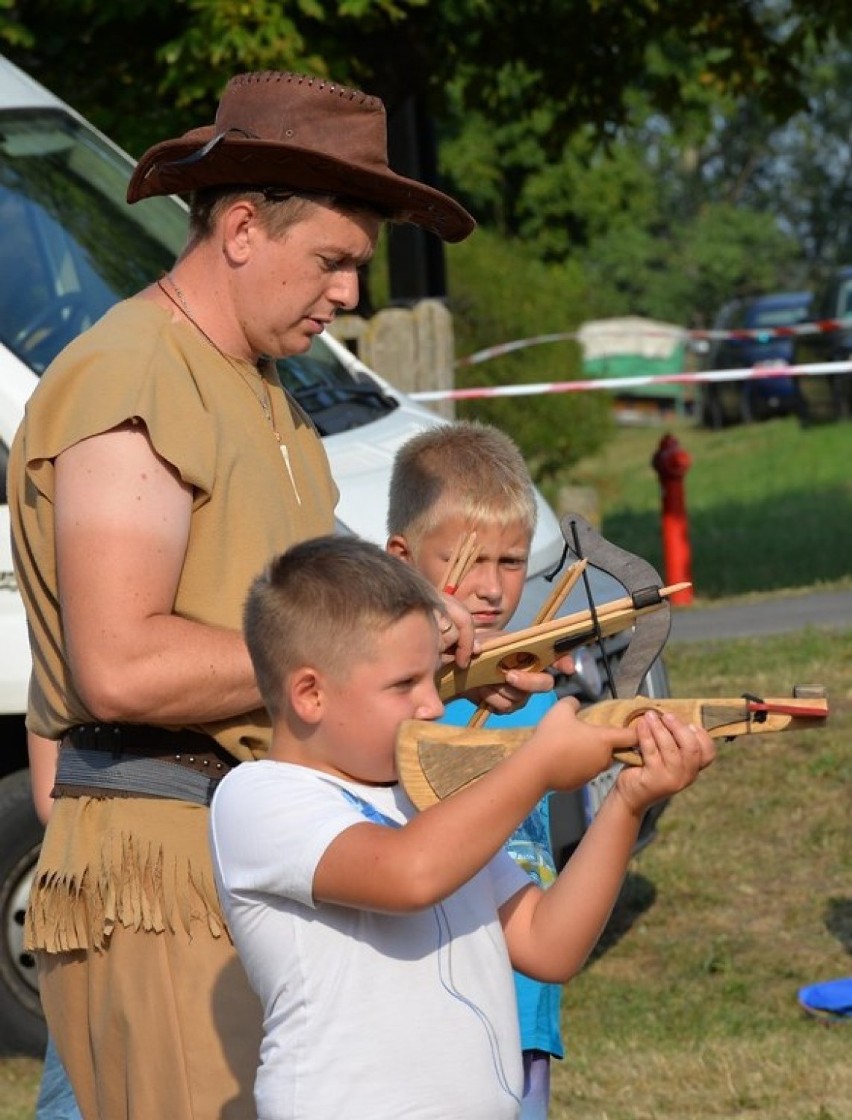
(139, 760)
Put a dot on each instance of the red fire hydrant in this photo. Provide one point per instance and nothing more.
(671, 463)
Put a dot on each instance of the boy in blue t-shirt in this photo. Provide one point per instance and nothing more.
(448, 481)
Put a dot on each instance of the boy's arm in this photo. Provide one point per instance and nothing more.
(404, 869)
(551, 933)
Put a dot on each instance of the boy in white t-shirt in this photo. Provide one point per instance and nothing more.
(470, 478)
(381, 940)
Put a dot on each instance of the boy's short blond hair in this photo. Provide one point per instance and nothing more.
(322, 603)
(464, 469)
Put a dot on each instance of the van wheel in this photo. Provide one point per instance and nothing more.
(22, 1026)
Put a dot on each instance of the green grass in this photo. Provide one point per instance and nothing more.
(19, 1081)
(769, 506)
(689, 1009)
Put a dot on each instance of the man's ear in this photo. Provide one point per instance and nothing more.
(305, 690)
(238, 227)
(398, 546)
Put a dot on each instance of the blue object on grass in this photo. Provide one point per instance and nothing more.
(830, 1000)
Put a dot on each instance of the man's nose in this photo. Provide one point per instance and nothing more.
(345, 290)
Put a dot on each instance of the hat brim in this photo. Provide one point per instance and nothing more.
(244, 162)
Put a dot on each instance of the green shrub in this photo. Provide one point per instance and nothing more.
(500, 293)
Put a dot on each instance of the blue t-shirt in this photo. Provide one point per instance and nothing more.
(529, 845)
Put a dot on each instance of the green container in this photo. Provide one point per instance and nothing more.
(636, 347)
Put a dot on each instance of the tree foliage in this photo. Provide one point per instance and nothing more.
(592, 130)
(624, 157)
(501, 291)
(501, 58)
(801, 173)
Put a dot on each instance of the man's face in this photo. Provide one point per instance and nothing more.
(492, 589)
(296, 284)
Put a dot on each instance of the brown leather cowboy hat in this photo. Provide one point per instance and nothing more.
(276, 129)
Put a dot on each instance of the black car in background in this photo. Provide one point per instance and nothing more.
(729, 402)
(827, 396)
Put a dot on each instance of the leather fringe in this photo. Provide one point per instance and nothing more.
(132, 883)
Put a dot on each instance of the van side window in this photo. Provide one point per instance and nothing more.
(4, 469)
(25, 284)
(71, 245)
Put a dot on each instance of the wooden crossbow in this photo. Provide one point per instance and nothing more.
(435, 760)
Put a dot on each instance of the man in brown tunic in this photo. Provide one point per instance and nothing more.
(159, 466)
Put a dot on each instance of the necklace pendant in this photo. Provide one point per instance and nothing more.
(285, 455)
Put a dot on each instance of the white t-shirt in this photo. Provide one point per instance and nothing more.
(367, 1016)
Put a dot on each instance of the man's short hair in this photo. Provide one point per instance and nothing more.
(322, 603)
(464, 469)
(277, 210)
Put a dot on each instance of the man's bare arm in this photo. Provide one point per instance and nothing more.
(122, 526)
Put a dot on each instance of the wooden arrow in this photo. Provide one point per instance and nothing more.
(538, 647)
(435, 760)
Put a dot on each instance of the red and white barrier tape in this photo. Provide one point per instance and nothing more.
(518, 344)
(613, 384)
(822, 326)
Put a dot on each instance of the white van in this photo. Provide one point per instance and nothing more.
(70, 247)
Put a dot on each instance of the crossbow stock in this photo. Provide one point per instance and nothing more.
(436, 760)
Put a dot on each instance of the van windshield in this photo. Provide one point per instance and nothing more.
(71, 246)
(334, 398)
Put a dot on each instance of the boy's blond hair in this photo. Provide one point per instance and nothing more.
(322, 603)
(464, 469)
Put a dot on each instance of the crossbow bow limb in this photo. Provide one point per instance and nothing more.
(435, 760)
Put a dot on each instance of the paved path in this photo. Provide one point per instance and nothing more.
(769, 616)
